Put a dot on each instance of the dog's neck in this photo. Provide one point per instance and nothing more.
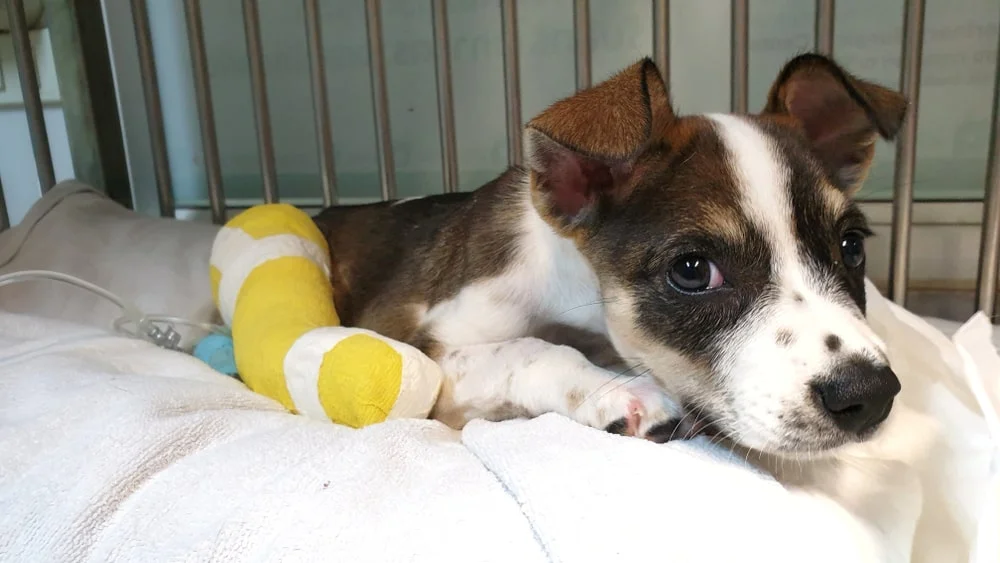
(547, 281)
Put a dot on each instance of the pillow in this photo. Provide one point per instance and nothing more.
(160, 265)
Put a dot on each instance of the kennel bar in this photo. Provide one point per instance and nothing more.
(911, 47)
(380, 99)
(445, 98)
(258, 92)
(989, 249)
(906, 151)
(825, 15)
(512, 81)
(740, 55)
(31, 94)
(154, 107)
(4, 216)
(321, 108)
(581, 43)
(206, 113)
(88, 96)
(661, 39)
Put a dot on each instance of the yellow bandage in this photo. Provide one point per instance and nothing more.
(270, 278)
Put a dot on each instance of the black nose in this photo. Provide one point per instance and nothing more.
(858, 395)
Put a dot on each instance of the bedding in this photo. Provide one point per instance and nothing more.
(114, 450)
(161, 265)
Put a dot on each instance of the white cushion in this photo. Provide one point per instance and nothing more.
(161, 265)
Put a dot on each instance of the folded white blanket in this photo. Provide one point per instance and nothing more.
(114, 450)
(111, 449)
(591, 496)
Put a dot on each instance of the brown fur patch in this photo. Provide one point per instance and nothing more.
(575, 398)
(833, 342)
(596, 347)
(611, 120)
(840, 114)
(390, 257)
(784, 338)
(508, 411)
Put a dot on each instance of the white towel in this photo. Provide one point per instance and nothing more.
(113, 450)
(592, 496)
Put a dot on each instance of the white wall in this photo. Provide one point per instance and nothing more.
(17, 168)
(17, 162)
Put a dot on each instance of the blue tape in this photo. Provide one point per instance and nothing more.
(216, 350)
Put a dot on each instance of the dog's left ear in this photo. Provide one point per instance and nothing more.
(841, 115)
(582, 149)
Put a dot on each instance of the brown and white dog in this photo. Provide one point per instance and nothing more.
(721, 255)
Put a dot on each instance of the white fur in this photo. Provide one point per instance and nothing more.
(676, 372)
(767, 380)
(550, 282)
(530, 376)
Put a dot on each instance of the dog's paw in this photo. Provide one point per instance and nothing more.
(639, 409)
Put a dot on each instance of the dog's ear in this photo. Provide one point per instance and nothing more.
(582, 148)
(841, 115)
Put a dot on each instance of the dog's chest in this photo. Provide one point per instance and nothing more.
(548, 283)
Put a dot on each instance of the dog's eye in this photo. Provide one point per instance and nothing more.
(693, 273)
(852, 249)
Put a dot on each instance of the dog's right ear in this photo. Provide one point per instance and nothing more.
(840, 114)
(582, 149)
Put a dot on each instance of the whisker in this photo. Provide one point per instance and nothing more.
(602, 301)
(678, 426)
(608, 382)
(623, 383)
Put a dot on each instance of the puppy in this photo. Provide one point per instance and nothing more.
(720, 255)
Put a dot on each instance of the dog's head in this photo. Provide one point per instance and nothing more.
(728, 248)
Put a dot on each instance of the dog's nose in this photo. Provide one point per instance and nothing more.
(859, 395)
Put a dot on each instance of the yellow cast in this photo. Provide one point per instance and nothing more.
(270, 275)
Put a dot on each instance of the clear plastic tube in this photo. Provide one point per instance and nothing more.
(160, 329)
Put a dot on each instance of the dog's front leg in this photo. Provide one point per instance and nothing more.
(529, 377)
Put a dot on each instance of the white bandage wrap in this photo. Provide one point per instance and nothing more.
(419, 385)
(232, 257)
(302, 363)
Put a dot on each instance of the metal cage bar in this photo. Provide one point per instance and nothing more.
(661, 39)
(906, 152)
(740, 55)
(154, 108)
(258, 91)
(903, 184)
(989, 249)
(206, 113)
(88, 96)
(321, 109)
(380, 99)
(512, 81)
(824, 26)
(4, 216)
(581, 40)
(445, 97)
(31, 94)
